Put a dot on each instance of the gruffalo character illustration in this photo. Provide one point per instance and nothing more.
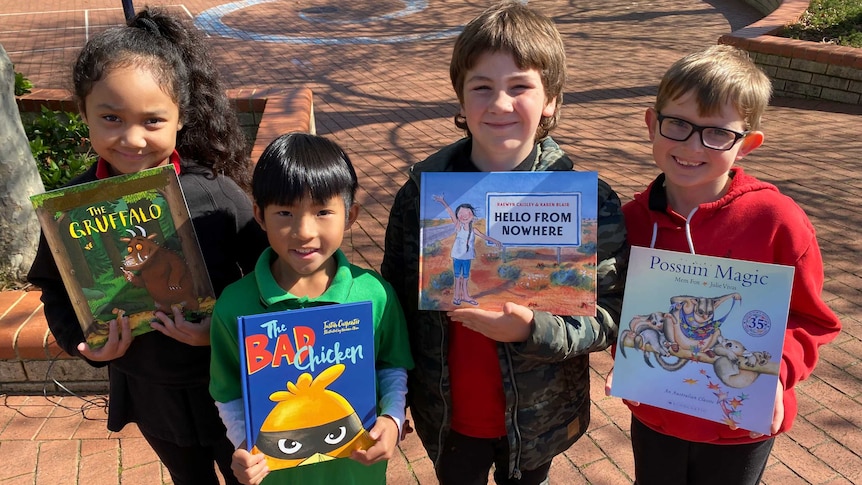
(162, 272)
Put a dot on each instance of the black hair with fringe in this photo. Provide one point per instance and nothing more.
(299, 165)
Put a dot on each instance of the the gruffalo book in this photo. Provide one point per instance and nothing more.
(308, 383)
(491, 237)
(703, 336)
(125, 245)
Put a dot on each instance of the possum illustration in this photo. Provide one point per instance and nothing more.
(726, 365)
(695, 327)
(655, 340)
(162, 272)
(647, 330)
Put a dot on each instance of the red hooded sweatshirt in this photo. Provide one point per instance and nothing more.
(752, 222)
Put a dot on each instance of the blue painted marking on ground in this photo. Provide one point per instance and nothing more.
(410, 7)
(210, 21)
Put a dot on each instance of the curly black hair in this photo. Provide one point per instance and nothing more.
(176, 53)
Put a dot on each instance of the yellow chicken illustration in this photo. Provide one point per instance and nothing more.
(310, 424)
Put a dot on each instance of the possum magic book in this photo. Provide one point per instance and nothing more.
(703, 336)
(308, 383)
(491, 237)
(125, 245)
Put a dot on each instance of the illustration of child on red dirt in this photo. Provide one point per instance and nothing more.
(463, 249)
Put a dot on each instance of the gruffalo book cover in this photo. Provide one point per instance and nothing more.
(125, 245)
(308, 383)
(491, 237)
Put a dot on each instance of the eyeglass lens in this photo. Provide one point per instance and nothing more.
(715, 138)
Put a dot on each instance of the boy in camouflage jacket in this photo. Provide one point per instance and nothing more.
(526, 398)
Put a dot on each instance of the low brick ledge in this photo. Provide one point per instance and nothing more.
(29, 356)
(285, 112)
(799, 69)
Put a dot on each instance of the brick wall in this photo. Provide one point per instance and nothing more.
(795, 77)
(799, 69)
(30, 360)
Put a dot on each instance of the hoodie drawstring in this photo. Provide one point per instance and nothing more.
(687, 232)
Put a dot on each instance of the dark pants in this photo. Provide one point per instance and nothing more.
(665, 460)
(193, 465)
(467, 461)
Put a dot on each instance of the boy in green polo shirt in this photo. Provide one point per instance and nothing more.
(303, 188)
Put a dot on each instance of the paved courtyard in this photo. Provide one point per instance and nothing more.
(379, 73)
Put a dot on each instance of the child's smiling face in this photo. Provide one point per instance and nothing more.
(465, 214)
(503, 106)
(133, 122)
(305, 235)
(694, 172)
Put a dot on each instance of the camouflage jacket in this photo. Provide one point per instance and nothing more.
(546, 378)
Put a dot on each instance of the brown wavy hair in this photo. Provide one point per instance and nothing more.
(530, 37)
(717, 75)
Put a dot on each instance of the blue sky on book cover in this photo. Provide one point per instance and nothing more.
(703, 335)
(308, 382)
(491, 237)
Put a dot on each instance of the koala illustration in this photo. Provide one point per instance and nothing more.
(726, 366)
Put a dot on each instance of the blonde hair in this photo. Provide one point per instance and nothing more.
(531, 38)
(718, 75)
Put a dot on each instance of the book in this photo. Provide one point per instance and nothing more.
(491, 237)
(308, 383)
(125, 245)
(703, 336)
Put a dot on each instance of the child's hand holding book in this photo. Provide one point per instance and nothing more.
(180, 329)
(385, 435)
(119, 339)
(249, 469)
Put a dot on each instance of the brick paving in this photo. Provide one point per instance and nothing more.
(390, 104)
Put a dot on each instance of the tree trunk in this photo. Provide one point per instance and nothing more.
(19, 179)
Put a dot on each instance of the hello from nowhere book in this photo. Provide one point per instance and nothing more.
(491, 237)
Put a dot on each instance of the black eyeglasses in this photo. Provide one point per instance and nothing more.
(710, 136)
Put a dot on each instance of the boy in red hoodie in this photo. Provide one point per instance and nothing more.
(706, 117)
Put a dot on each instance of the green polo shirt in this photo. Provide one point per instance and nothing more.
(258, 292)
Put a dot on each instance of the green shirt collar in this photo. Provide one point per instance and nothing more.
(273, 294)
